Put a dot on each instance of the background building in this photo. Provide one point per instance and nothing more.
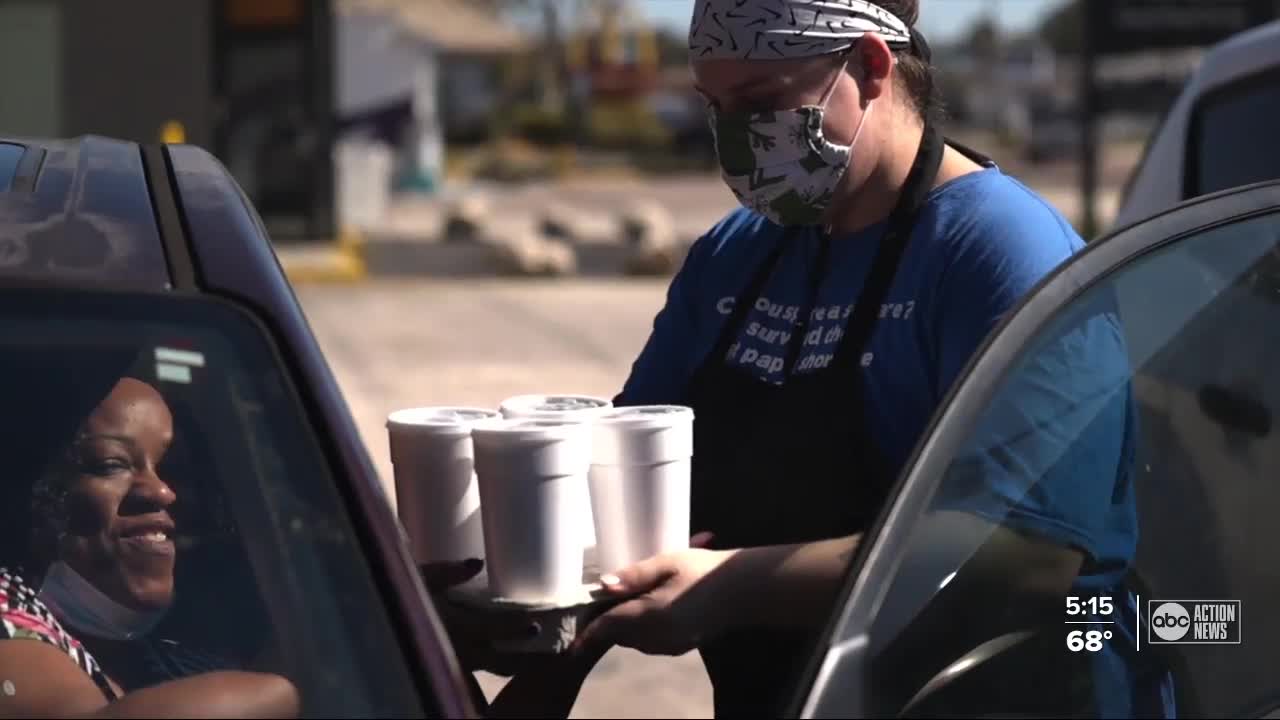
(251, 80)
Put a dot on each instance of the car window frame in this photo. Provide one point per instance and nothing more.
(413, 618)
(213, 206)
(1240, 85)
(1153, 138)
(437, 696)
(824, 689)
(11, 154)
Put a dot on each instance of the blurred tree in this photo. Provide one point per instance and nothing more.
(1063, 29)
(984, 39)
(673, 48)
(548, 15)
(555, 76)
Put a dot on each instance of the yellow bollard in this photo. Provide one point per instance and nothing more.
(173, 133)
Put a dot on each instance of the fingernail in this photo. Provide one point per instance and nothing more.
(610, 580)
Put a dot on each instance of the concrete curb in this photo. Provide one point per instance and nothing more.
(411, 257)
(551, 243)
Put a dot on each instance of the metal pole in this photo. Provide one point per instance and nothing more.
(1089, 111)
(320, 42)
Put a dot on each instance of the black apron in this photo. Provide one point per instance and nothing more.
(790, 463)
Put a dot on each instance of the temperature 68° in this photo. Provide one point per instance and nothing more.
(1090, 640)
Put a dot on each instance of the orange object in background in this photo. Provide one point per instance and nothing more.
(614, 50)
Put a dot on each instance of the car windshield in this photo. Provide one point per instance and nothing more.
(166, 488)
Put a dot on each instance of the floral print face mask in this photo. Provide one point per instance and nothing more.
(778, 163)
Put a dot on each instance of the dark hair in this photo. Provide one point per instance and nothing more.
(914, 69)
(48, 392)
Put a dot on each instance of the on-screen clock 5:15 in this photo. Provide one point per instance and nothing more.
(1094, 605)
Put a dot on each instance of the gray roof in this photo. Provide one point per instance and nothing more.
(458, 26)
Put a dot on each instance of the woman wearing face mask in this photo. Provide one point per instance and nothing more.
(815, 330)
(92, 567)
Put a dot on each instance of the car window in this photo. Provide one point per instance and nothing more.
(1128, 458)
(1153, 137)
(10, 154)
(1233, 142)
(156, 456)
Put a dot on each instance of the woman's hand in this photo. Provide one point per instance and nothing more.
(677, 600)
(691, 595)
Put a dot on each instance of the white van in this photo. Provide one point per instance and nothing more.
(1220, 133)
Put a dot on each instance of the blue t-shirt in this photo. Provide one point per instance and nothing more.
(980, 242)
(1051, 455)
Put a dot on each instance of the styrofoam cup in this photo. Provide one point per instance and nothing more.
(553, 406)
(558, 406)
(533, 485)
(436, 494)
(640, 482)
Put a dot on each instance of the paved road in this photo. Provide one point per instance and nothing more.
(397, 344)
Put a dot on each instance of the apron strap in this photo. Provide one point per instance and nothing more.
(974, 155)
(901, 221)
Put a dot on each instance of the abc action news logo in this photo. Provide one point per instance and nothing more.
(1203, 622)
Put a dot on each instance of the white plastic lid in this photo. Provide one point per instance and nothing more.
(506, 430)
(643, 435)
(557, 405)
(442, 419)
(656, 416)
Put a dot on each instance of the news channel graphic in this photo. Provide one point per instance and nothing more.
(1193, 622)
(1092, 622)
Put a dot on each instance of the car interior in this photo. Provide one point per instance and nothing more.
(217, 590)
(1205, 453)
(984, 644)
(217, 603)
(1209, 400)
(268, 574)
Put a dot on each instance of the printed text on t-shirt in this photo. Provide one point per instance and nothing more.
(770, 326)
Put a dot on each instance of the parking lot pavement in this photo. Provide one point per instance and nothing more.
(396, 344)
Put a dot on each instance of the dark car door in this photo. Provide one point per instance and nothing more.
(1086, 529)
(182, 481)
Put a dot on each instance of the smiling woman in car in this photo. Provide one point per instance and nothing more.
(90, 554)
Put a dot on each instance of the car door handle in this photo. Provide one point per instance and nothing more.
(1234, 410)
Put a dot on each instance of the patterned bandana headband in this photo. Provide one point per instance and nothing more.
(789, 29)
